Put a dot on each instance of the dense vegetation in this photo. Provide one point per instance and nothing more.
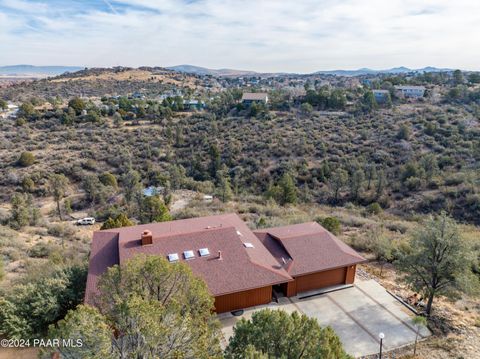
(322, 149)
(277, 334)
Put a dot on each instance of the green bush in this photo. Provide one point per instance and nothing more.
(120, 220)
(374, 208)
(331, 224)
(278, 334)
(40, 250)
(108, 179)
(28, 309)
(61, 230)
(26, 159)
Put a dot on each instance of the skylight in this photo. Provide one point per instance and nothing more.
(188, 254)
(173, 257)
(204, 252)
(248, 245)
(239, 233)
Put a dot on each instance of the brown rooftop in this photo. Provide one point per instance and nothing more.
(309, 247)
(238, 260)
(254, 96)
(241, 268)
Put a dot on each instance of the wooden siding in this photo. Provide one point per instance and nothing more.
(241, 300)
(320, 279)
(350, 277)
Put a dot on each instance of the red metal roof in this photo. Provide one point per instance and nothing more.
(240, 269)
(307, 248)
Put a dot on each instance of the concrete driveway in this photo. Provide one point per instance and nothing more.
(357, 314)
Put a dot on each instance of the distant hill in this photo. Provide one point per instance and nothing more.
(36, 71)
(197, 70)
(395, 70)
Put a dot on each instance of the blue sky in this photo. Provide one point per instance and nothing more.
(262, 35)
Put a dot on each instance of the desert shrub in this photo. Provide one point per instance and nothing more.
(23, 212)
(331, 224)
(374, 208)
(62, 230)
(27, 309)
(413, 183)
(40, 250)
(120, 220)
(27, 184)
(277, 334)
(108, 179)
(26, 159)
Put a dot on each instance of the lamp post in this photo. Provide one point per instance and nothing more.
(381, 336)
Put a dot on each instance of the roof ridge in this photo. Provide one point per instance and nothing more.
(211, 229)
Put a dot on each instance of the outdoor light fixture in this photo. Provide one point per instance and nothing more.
(381, 336)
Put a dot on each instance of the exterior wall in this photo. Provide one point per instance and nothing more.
(241, 300)
(290, 288)
(249, 102)
(321, 279)
(350, 276)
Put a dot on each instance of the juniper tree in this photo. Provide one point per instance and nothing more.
(438, 260)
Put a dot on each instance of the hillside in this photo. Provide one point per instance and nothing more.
(100, 82)
(321, 149)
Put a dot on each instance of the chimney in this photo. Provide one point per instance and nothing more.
(147, 238)
(220, 255)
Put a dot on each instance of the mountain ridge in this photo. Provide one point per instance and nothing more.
(43, 71)
(32, 70)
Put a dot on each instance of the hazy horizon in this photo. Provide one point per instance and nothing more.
(263, 36)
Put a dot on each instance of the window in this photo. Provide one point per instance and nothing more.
(188, 255)
(248, 245)
(173, 257)
(204, 252)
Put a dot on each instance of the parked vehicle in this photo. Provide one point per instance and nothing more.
(86, 221)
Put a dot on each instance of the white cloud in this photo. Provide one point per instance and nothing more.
(264, 35)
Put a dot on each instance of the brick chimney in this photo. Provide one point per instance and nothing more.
(147, 238)
(220, 255)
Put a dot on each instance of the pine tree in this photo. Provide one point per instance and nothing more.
(288, 190)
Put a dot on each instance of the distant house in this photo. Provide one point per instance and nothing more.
(138, 96)
(9, 112)
(381, 96)
(207, 198)
(193, 104)
(152, 191)
(254, 97)
(410, 91)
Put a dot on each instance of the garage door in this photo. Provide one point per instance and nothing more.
(241, 300)
(321, 279)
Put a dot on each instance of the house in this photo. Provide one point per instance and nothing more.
(254, 97)
(241, 268)
(381, 96)
(152, 191)
(410, 91)
(9, 112)
(193, 104)
(207, 198)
